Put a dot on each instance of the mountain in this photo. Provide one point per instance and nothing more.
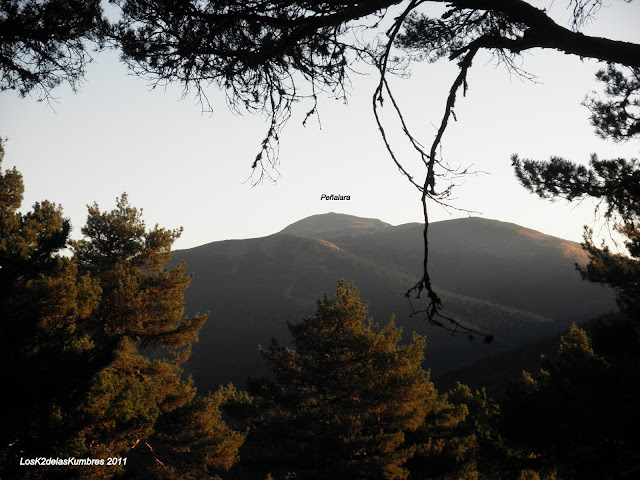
(334, 225)
(516, 283)
(487, 259)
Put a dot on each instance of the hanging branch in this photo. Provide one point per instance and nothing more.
(434, 310)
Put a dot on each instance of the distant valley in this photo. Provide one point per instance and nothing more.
(513, 282)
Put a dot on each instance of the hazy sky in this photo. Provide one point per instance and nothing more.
(188, 169)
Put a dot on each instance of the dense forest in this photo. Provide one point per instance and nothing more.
(94, 339)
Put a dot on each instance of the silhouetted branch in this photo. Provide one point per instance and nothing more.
(433, 312)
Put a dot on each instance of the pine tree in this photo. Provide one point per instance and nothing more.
(93, 347)
(341, 402)
(459, 439)
(139, 397)
(43, 302)
(616, 185)
(577, 411)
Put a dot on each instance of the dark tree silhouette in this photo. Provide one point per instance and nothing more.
(619, 116)
(616, 183)
(44, 43)
(576, 412)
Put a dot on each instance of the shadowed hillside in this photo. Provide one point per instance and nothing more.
(254, 287)
(496, 261)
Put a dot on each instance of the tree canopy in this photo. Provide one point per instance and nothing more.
(341, 401)
(45, 43)
(351, 401)
(576, 411)
(92, 347)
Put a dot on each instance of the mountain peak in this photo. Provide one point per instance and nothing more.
(331, 225)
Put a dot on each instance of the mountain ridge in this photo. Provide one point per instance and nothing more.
(328, 223)
(254, 287)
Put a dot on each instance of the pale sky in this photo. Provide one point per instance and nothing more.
(188, 169)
